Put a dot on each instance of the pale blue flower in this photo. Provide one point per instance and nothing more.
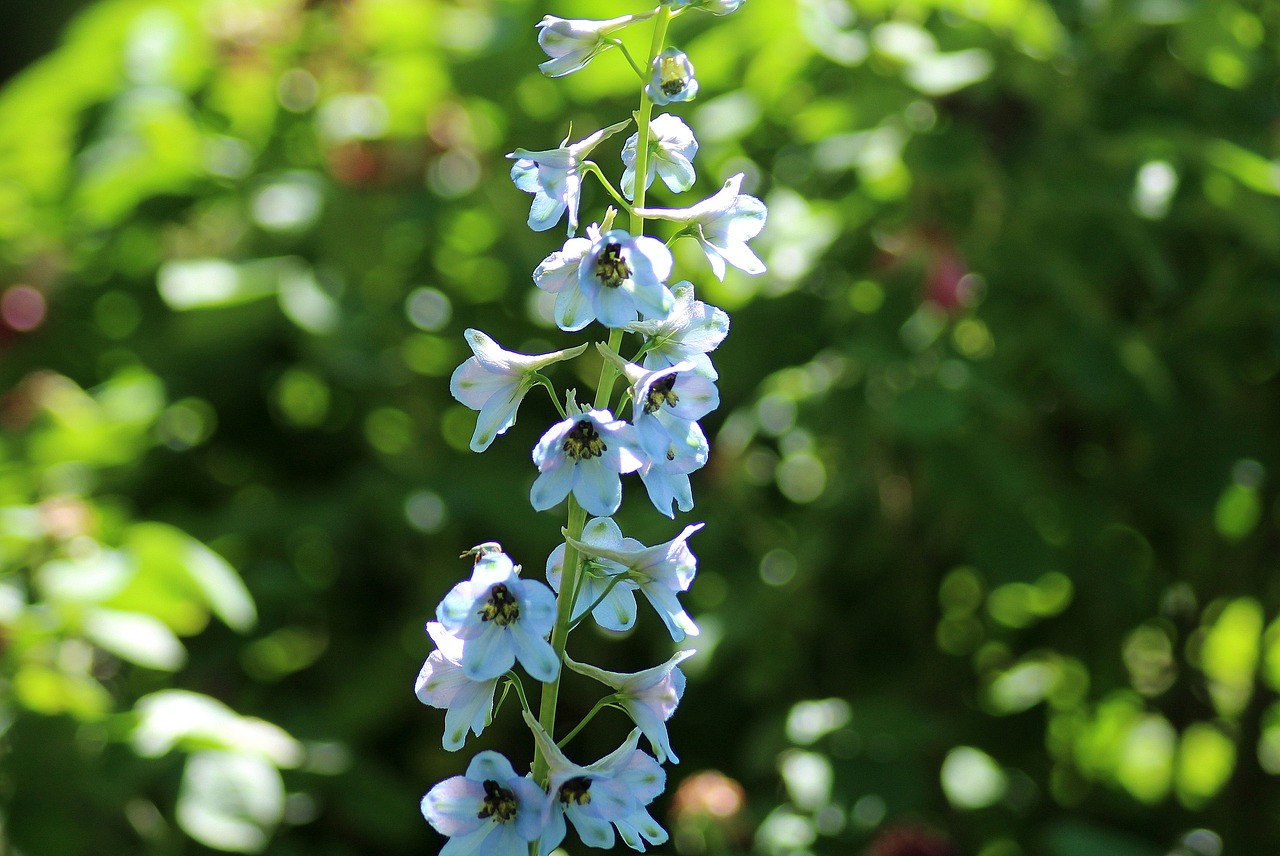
(662, 572)
(622, 275)
(722, 225)
(681, 449)
(671, 78)
(501, 618)
(494, 381)
(671, 151)
(442, 683)
(666, 404)
(600, 578)
(649, 697)
(586, 455)
(691, 331)
(553, 177)
(572, 43)
(675, 391)
(489, 811)
(611, 792)
(558, 275)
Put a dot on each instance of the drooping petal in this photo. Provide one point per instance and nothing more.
(640, 824)
(537, 606)
(553, 829)
(487, 655)
(534, 653)
(472, 843)
(545, 212)
(552, 486)
(533, 807)
(573, 310)
(497, 415)
(439, 681)
(742, 257)
(698, 397)
(472, 384)
(614, 307)
(597, 489)
(455, 611)
(654, 728)
(677, 172)
(470, 711)
(617, 612)
(451, 806)
(652, 301)
(665, 488)
(713, 258)
(594, 831)
(668, 607)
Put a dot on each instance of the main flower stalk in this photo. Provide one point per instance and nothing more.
(604, 392)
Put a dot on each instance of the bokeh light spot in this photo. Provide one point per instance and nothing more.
(22, 308)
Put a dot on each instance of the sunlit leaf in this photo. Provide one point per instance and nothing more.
(1206, 759)
(135, 637)
(230, 800)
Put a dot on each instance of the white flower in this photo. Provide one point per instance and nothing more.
(672, 147)
(552, 177)
(649, 697)
(671, 78)
(572, 44)
(722, 225)
(662, 571)
(558, 275)
(666, 470)
(501, 618)
(441, 683)
(600, 579)
(586, 455)
(622, 274)
(611, 792)
(490, 810)
(495, 381)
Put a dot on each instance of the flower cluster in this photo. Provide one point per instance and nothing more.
(497, 620)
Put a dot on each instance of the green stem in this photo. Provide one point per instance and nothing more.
(600, 705)
(594, 169)
(546, 384)
(644, 74)
(513, 681)
(613, 581)
(643, 116)
(560, 634)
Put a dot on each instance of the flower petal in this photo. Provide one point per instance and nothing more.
(597, 489)
(451, 806)
(534, 653)
(553, 485)
(489, 654)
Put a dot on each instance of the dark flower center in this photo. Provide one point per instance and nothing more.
(501, 607)
(499, 802)
(576, 791)
(672, 76)
(661, 392)
(673, 87)
(611, 267)
(583, 443)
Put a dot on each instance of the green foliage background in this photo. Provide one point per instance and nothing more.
(991, 519)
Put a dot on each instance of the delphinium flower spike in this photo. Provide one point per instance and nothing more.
(498, 622)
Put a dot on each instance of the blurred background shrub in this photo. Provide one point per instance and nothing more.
(990, 566)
